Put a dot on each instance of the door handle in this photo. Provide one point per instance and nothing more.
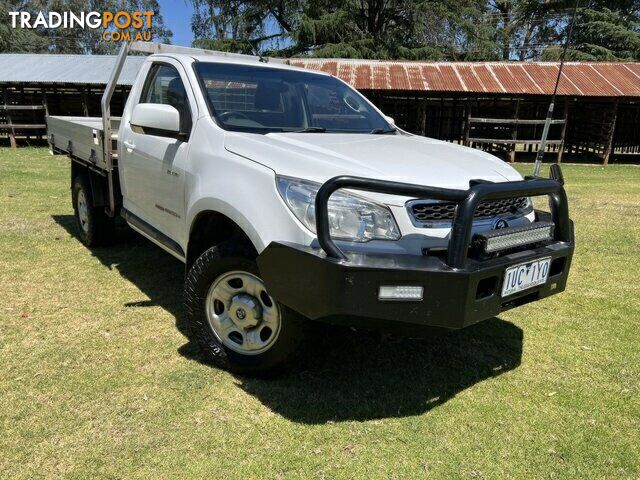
(129, 145)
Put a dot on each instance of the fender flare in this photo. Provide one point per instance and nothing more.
(215, 205)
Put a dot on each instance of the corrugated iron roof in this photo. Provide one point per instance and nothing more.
(75, 69)
(593, 79)
(606, 79)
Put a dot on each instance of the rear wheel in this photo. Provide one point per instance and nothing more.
(236, 323)
(94, 225)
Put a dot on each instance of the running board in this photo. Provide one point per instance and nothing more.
(153, 233)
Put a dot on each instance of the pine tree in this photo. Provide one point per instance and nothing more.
(76, 40)
(605, 31)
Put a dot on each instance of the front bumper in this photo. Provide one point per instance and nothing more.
(460, 287)
(339, 291)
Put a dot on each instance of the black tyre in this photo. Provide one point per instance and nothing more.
(238, 326)
(94, 225)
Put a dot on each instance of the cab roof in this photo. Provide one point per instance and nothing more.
(236, 59)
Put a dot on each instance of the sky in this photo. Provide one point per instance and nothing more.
(177, 16)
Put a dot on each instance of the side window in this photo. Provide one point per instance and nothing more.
(164, 85)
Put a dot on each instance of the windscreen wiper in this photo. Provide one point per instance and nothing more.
(310, 130)
(382, 131)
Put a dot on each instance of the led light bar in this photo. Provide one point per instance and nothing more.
(400, 293)
(506, 238)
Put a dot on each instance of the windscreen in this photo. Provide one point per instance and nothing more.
(263, 100)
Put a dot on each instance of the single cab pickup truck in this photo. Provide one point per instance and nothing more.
(290, 197)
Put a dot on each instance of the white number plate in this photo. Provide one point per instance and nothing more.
(525, 275)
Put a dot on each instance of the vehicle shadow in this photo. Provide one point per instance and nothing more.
(157, 274)
(345, 375)
(341, 375)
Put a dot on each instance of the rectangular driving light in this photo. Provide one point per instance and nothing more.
(506, 238)
(397, 293)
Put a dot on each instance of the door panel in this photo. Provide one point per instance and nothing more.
(155, 165)
(156, 176)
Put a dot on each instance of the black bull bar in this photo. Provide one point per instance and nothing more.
(467, 201)
(459, 290)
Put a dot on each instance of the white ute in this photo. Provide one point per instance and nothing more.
(229, 163)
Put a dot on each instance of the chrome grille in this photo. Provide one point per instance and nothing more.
(444, 211)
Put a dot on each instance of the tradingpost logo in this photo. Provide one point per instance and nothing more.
(117, 26)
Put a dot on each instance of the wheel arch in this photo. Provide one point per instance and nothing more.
(211, 226)
(98, 186)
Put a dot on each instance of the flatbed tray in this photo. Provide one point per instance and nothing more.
(81, 137)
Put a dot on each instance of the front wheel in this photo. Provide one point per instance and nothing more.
(236, 323)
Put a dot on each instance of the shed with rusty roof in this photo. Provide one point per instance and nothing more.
(33, 85)
(497, 106)
(500, 106)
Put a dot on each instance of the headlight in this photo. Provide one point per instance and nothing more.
(351, 217)
(528, 208)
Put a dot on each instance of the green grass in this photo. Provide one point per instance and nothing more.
(99, 380)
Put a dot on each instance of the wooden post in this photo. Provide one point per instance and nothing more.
(34, 121)
(441, 119)
(467, 126)
(407, 112)
(10, 129)
(535, 128)
(83, 98)
(609, 147)
(563, 134)
(514, 133)
(45, 107)
(452, 119)
(423, 119)
(45, 103)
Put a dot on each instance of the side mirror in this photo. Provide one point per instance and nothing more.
(390, 120)
(156, 119)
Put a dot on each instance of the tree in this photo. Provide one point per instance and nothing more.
(412, 29)
(471, 31)
(18, 40)
(522, 29)
(419, 29)
(74, 40)
(604, 31)
(406, 29)
(95, 44)
(244, 27)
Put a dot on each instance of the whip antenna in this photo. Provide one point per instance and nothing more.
(547, 123)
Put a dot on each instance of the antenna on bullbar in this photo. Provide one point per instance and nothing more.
(547, 123)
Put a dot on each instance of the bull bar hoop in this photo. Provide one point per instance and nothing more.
(467, 202)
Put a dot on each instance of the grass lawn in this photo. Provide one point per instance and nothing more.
(99, 380)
